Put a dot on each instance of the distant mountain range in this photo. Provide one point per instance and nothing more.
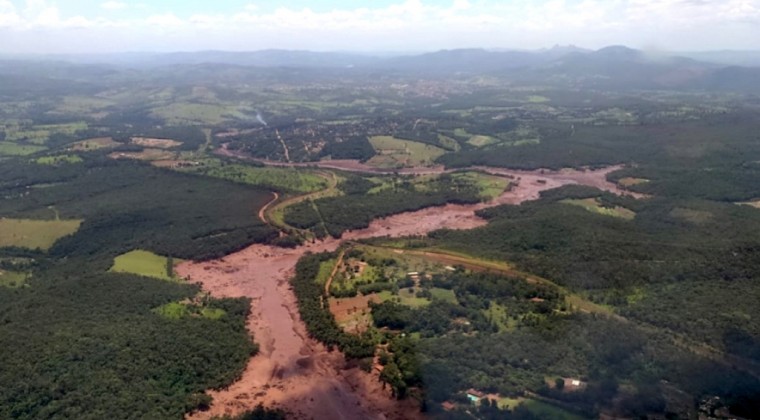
(615, 67)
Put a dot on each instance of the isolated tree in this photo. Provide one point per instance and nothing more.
(170, 266)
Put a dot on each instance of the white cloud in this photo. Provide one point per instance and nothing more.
(114, 5)
(418, 24)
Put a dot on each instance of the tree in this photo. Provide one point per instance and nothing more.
(169, 266)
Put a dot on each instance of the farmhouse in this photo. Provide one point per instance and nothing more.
(475, 396)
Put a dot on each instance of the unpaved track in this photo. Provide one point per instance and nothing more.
(293, 371)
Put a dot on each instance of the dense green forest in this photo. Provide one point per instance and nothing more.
(80, 342)
(504, 335)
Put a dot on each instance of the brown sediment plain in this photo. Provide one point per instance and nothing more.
(298, 374)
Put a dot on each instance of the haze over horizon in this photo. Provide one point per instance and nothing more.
(97, 26)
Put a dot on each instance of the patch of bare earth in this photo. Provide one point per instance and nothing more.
(155, 143)
(295, 372)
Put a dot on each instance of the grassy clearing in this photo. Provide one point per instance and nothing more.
(179, 310)
(444, 294)
(593, 205)
(94, 144)
(405, 297)
(490, 186)
(146, 154)
(498, 315)
(325, 269)
(630, 182)
(144, 263)
(396, 153)
(548, 411)
(58, 160)
(281, 179)
(509, 403)
(12, 279)
(480, 141)
(157, 143)
(8, 148)
(35, 234)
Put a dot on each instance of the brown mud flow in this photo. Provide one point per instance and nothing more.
(295, 372)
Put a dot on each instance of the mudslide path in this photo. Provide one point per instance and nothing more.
(293, 371)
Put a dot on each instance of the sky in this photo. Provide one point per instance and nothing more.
(110, 26)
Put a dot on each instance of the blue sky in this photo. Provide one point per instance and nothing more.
(97, 26)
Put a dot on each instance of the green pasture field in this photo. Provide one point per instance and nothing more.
(35, 234)
(480, 141)
(548, 411)
(406, 297)
(94, 144)
(39, 134)
(8, 148)
(592, 205)
(144, 263)
(490, 186)
(58, 159)
(325, 269)
(179, 310)
(444, 294)
(283, 179)
(630, 182)
(12, 279)
(393, 152)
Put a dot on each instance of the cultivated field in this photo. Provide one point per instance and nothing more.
(398, 153)
(281, 179)
(155, 143)
(35, 234)
(93, 144)
(144, 263)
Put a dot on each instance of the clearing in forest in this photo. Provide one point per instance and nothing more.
(490, 186)
(281, 179)
(146, 154)
(58, 160)
(147, 264)
(628, 182)
(35, 234)
(398, 153)
(156, 143)
(94, 144)
(179, 310)
(12, 279)
(593, 205)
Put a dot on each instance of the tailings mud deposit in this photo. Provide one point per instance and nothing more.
(295, 372)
